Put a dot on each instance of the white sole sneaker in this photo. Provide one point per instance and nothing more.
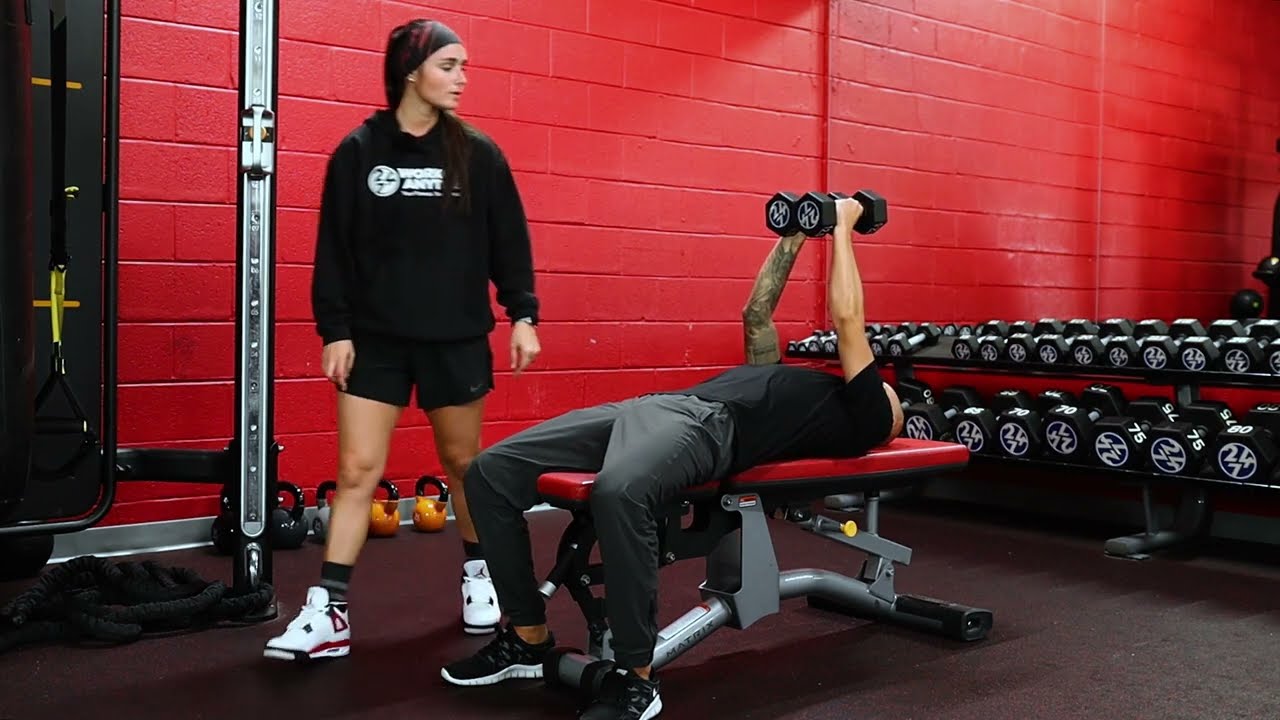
(479, 629)
(512, 672)
(320, 652)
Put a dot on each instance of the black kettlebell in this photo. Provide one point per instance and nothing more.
(288, 531)
(224, 530)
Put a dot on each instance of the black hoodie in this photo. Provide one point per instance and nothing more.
(391, 260)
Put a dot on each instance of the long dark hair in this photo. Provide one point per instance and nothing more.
(457, 132)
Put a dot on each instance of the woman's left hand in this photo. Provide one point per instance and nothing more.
(524, 346)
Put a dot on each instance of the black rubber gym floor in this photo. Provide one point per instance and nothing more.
(1077, 635)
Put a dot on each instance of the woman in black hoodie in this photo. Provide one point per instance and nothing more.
(419, 214)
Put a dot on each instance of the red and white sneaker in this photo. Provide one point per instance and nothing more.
(321, 630)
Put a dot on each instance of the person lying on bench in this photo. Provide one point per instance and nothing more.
(646, 450)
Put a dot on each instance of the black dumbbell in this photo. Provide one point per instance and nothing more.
(1247, 452)
(1179, 446)
(976, 427)
(811, 345)
(780, 214)
(994, 338)
(1201, 353)
(1090, 348)
(914, 392)
(1121, 441)
(903, 343)
(1020, 347)
(816, 212)
(1123, 350)
(933, 421)
(954, 330)
(1052, 346)
(1021, 428)
(1250, 354)
(1159, 351)
(1069, 429)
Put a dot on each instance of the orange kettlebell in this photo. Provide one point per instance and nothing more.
(384, 515)
(431, 514)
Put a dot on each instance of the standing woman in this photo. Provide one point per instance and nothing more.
(419, 213)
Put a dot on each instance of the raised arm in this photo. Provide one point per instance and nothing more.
(844, 293)
(759, 335)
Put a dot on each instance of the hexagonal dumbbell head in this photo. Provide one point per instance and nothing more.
(1244, 453)
(1121, 442)
(875, 212)
(816, 214)
(780, 214)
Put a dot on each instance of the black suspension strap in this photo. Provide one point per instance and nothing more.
(59, 259)
(90, 600)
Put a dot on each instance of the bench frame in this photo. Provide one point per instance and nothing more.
(728, 526)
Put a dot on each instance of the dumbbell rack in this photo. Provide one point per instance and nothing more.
(1193, 513)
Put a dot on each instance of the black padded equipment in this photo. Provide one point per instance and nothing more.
(17, 292)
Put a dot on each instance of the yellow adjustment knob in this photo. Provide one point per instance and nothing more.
(849, 528)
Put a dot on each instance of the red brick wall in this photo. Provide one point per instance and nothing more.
(1019, 144)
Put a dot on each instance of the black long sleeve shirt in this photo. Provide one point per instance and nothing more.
(391, 260)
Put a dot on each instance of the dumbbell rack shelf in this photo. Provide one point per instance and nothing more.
(939, 356)
(1193, 513)
(1137, 476)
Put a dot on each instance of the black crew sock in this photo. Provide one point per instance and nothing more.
(335, 578)
(472, 550)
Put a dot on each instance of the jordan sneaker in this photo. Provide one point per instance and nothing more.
(480, 612)
(321, 630)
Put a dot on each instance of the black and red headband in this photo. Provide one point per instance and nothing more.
(424, 38)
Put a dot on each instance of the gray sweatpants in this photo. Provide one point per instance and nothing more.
(644, 451)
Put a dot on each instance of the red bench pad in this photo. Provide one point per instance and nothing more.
(899, 462)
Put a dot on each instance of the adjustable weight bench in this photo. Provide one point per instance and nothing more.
(727, 525)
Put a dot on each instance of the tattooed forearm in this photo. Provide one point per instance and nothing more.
(760, 337)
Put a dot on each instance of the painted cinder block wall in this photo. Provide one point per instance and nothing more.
(1042, 157)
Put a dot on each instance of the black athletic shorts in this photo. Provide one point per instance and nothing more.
(389, 369)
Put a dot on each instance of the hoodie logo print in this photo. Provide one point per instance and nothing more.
(385, 181)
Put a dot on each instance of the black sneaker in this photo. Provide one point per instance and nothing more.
(506, 657)
(632, 698)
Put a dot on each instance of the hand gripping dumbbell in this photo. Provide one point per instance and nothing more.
(1159, 351)
(1089, 348)
(1069, 427)
(1122, 350)
(1201, 353)
(1180, 446)
(816, 212)
(1120, 441)
(1021, 428)
(1247, 452)
(1253, 354)
(933, 421)
(903, 344)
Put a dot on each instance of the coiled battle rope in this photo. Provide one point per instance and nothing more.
(90, 599)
